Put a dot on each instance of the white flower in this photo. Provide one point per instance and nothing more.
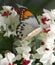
(46, 51)
(48, 14)
(24, 50)
(46, 54)
(8, 8)
(48, 58)
(11, 21)
(41, 50)
(8, 59)
(4, 61)
(10, 56)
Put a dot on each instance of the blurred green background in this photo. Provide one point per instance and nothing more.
(35, 6)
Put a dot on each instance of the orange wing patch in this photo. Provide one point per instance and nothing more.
(26, 14)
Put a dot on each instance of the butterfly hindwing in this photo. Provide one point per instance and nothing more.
(23, 30)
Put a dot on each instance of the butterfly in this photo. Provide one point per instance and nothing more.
(27, 23)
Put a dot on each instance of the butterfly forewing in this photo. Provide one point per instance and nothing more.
(28, 23)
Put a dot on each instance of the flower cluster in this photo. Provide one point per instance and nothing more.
(9, 19)
(46, 50)
(8, 59)
(24, 52)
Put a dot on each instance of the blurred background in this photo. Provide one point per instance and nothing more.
(35, 6)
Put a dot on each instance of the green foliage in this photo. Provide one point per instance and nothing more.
(6, 44)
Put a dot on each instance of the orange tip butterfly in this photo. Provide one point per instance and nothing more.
(27, 24)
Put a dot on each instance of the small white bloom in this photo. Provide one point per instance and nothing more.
(48, 58)
(46, 51)
(4, 61)
(24, 50)
(46, 14)
(10, 20)
(10, 56)
(41, 50)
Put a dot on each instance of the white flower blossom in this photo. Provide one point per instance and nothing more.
(47, 56)
(7, 59)
(46, 51)
(24, 50)
(48, 14)
(9, 21)
(10, 56)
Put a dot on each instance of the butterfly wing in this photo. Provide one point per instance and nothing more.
(23, 30)
(27, 23)
(29, 18)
